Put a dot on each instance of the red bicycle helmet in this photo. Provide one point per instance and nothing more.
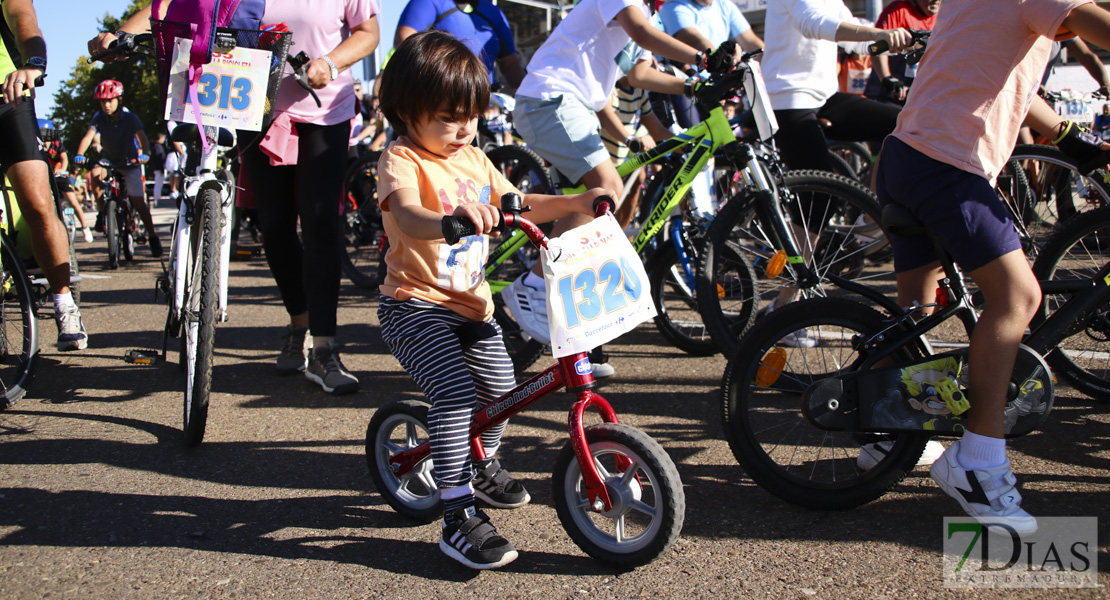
(108, 89)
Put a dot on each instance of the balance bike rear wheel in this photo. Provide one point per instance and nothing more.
(396, 426)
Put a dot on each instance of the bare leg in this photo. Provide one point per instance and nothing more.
(1012, 296)
(71, 197)
(144, 213)
(919, 285)
(627, 209)
(49, 242)
(300, 320)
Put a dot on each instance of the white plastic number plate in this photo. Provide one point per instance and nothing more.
(597, 288)
(231, 91)
(761, 102)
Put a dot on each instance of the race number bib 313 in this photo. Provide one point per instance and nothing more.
(231, 91)
(597, 288)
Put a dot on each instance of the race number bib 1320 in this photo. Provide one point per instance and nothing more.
(597, 288)
(231, 92)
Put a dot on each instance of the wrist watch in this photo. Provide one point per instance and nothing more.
(37, 62)
(334, 69)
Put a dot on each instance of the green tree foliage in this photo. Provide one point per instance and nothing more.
(74, 104)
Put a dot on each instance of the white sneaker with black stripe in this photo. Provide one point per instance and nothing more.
(528, 307)
(471, 539)
(988, 495)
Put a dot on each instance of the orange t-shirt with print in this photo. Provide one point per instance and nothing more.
(432, 270)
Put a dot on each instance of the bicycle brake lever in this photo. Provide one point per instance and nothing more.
(747, 56)
(298, 63)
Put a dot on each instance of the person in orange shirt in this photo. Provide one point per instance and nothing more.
(953, 137)
(432, 91)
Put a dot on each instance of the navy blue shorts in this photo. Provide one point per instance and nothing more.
(960, 208)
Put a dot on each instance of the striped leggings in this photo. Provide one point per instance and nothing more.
(456, 381)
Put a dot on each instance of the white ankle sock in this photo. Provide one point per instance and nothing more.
(63, 300)
(981, 452)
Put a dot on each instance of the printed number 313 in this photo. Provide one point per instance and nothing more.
(227, 91)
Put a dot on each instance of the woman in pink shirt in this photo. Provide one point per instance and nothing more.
(297, 169)
(297, 174)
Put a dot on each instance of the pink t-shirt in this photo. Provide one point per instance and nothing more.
(318, 26)
(450, 276)
(978, 78)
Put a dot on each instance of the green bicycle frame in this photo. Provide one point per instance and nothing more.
(707, 137)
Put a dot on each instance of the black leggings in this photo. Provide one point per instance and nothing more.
(801, 140)
(307, 274)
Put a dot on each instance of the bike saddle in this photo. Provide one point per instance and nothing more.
(899, 220)
(186, 133)
(472, 332)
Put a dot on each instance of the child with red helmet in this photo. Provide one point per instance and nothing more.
(122, 139)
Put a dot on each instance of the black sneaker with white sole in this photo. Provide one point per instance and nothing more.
(326, 369)
(496, 487)
(471, 539)
(294, 354)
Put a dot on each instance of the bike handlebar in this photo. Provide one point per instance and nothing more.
(456, 228)
(127, 44)
(920, 36)
(107, 164)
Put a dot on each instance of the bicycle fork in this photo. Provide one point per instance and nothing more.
(768, 205)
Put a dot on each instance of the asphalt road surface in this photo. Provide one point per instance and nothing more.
(99, 498)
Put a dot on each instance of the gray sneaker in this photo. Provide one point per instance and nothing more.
(294, 355)
(325, 368)
(71, 331)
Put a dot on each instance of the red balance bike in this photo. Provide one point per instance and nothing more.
(616, 491)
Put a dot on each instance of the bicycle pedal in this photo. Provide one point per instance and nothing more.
(245, 254)
(142, 357)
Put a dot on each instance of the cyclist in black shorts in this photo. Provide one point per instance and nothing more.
(58, 158)
(22, 61)
(799, 65)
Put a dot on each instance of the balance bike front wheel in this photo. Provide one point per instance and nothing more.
(648, 504)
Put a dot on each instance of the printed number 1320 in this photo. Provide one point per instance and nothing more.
(609, 288)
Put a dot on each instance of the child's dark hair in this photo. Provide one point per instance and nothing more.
(430, 70)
